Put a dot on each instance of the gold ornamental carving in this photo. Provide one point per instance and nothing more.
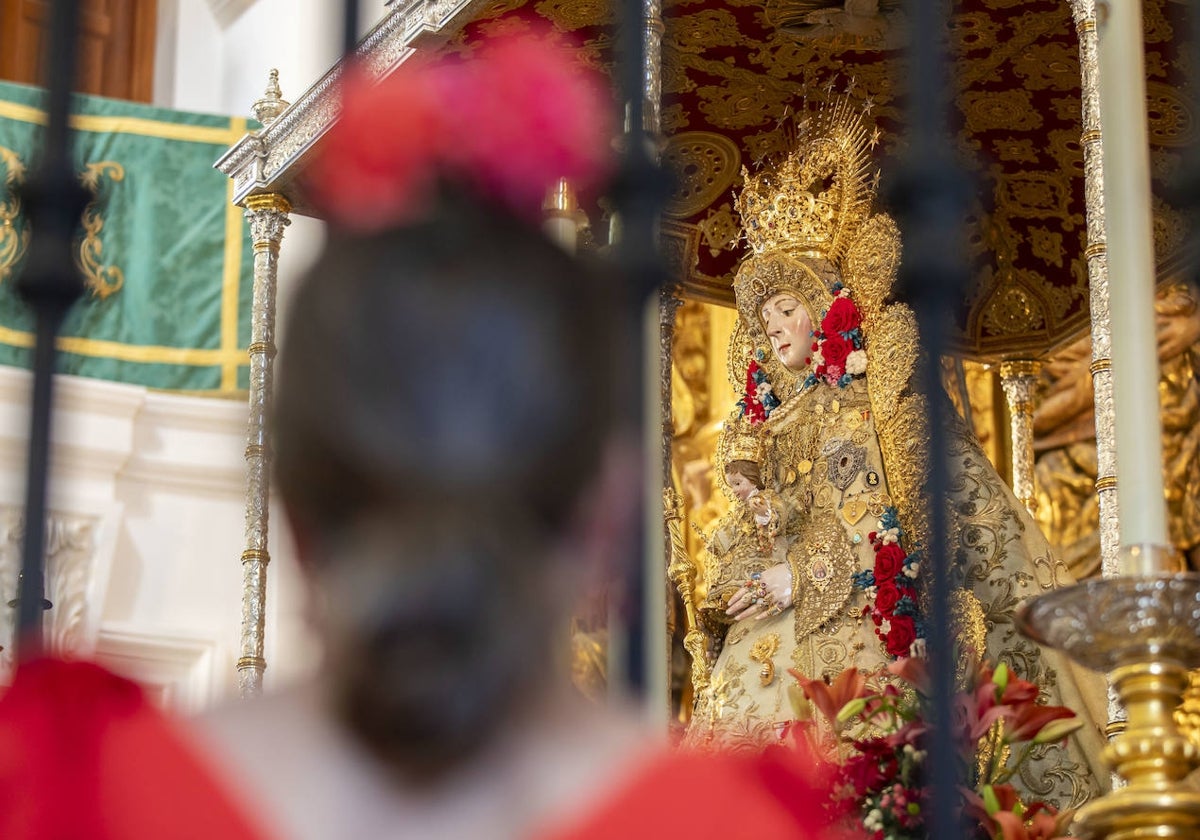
(682, 571)
(14, 241)
(1014, 310)
(1019, 380)
(705, 165)
(814, 204)
(102, 280)
(1171, 116)
(1072, 472)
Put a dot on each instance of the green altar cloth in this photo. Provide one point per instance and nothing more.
(164, 253)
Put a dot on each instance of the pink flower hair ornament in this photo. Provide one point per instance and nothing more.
(506, 123)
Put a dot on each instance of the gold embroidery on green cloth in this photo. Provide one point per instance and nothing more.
(13, 242)
(102, 280)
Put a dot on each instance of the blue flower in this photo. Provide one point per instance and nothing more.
(864, 579)
(836, 287)
(906, 606)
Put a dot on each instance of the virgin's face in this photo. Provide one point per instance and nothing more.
(789, 328)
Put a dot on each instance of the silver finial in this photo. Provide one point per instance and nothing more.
(272, 104)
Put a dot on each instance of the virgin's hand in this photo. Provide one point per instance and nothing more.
(769, 595)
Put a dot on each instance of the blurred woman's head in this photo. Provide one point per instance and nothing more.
(446, 400)
(447, 396)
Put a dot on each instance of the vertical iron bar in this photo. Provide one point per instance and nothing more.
(637, 196)
(929, 197)
(50, 284)
(349, 27)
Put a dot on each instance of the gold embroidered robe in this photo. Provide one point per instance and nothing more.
(825, 459)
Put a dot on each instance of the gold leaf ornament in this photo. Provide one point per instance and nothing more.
(13, 242)
(102, 280)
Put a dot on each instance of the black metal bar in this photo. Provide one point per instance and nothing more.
(349, 27)
(929, 195)
(638, 195)
(50, 284)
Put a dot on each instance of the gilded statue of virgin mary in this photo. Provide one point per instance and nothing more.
(840, 437)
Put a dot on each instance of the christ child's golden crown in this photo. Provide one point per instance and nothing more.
(813, 201)
(741, 441)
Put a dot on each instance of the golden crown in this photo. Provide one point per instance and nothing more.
(740, 441)
(812, 201)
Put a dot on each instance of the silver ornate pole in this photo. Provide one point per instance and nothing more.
(659, 554)
(652, 68)
(1019, 380)
(268, 216)
(1084, 12)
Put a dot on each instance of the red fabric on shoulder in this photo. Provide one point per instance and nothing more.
(83, 754)
(772, 796)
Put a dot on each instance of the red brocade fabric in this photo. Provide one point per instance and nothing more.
(771, 796)
(84, 754)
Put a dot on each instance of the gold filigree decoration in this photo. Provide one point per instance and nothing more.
(102, 280)
(893, 360)
(13, 242)
(825, 554)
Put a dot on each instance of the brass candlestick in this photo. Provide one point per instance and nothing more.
(1144, 632)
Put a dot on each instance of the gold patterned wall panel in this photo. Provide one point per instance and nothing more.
(733, 70)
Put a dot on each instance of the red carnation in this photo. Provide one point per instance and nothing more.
(889, 561)
(901, 635)
(835, 349)
(886, 596)
(755, 412)
(842, 317)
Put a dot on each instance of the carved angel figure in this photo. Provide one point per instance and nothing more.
(845, 450)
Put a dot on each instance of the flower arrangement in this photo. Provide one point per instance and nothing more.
(838, 356)
(872, 744)
(759, 399)
(891, 586)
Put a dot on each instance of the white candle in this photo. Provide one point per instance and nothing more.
(559, 222)
(1131, 270)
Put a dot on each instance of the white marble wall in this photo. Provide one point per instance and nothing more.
(145, 541)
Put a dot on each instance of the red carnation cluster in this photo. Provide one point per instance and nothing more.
(838, 354)
(509, 122)
(895, 626)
